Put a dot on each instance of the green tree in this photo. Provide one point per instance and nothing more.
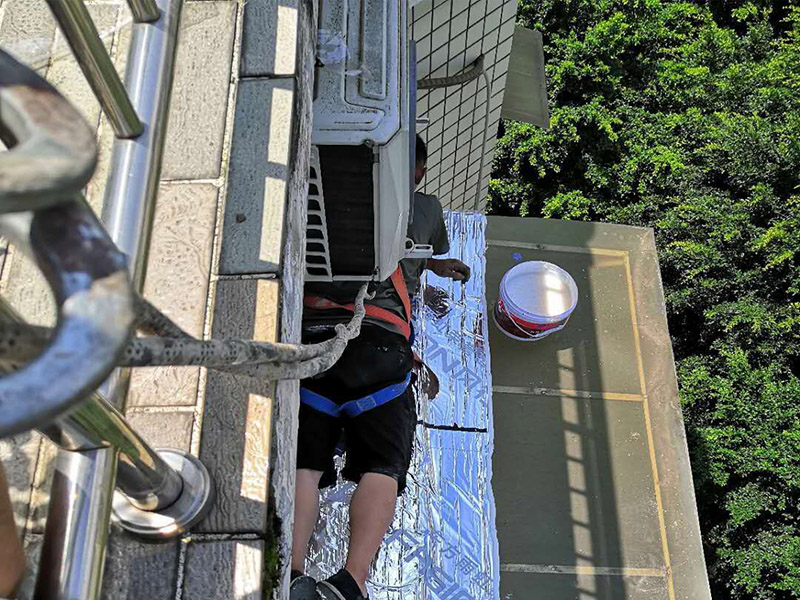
(685, 117)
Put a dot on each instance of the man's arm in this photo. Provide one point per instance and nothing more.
(451, 268)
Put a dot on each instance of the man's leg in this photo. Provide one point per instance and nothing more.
(306, 513)
(371, 514)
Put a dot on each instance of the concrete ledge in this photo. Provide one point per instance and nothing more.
(138, 571)
(284, 440)
(32, 544)
(40, 487)
(237, 421)
(19, 456)
(224, 570)
(270, 29)
(200, 92)
(257, 178)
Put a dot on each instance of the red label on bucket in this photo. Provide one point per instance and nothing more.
(512, 324)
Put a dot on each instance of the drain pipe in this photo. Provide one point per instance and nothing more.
(475, 71)
(483, 142)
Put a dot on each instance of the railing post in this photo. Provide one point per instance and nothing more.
(78, 28)
(130, 195)
(144, 11)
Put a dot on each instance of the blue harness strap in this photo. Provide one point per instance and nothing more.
(353, 408)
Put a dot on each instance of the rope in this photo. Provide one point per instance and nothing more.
(20, 343)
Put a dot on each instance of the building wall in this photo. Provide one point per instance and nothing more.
(450, 35)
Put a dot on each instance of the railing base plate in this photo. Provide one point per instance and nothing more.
(190, 508)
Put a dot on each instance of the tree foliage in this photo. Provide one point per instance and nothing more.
(685, 117)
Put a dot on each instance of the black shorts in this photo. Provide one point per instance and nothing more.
(379, 440)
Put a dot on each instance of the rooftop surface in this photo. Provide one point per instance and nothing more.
(592, 481)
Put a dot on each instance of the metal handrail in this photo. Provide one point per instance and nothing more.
(81, 34)
(52, 155)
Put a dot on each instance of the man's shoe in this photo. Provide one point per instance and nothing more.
(302, 587)
(341, 586)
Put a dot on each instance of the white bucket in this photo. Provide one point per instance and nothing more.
(536, 299)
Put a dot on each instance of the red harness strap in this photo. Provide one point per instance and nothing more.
(399, 283)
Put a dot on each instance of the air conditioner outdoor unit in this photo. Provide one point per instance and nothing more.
(361, 180)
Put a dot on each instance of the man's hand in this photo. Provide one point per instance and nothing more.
(451, 268)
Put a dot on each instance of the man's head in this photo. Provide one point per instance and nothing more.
(421, 154)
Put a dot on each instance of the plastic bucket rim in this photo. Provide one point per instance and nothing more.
(523, 314)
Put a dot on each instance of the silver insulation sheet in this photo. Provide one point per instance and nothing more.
(443, 542)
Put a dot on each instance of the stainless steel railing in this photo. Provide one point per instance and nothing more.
(67, 382)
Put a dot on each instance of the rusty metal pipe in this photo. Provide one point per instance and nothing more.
(52, 151)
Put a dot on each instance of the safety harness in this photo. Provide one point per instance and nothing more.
(356, 407)
(376, 312)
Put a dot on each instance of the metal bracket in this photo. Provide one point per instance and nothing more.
(191, 506)
(417, 250)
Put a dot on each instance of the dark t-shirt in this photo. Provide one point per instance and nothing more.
(427, 227)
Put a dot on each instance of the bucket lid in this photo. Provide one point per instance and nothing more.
(539, 292)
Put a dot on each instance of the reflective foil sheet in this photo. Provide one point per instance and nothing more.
(443, 542)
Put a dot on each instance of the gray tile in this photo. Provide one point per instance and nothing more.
(224, 570)
(572, 479)
(257, 179)
(179, 261)
(200, 91)
(177, 281)
(27, 32)
(164, 429)
(234, 446)
(237, 419)
(139, 571)
(269, 37)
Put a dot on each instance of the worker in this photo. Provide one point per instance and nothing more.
(376, 366)
(12, 560)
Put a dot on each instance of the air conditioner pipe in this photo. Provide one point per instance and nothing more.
(475, 71)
